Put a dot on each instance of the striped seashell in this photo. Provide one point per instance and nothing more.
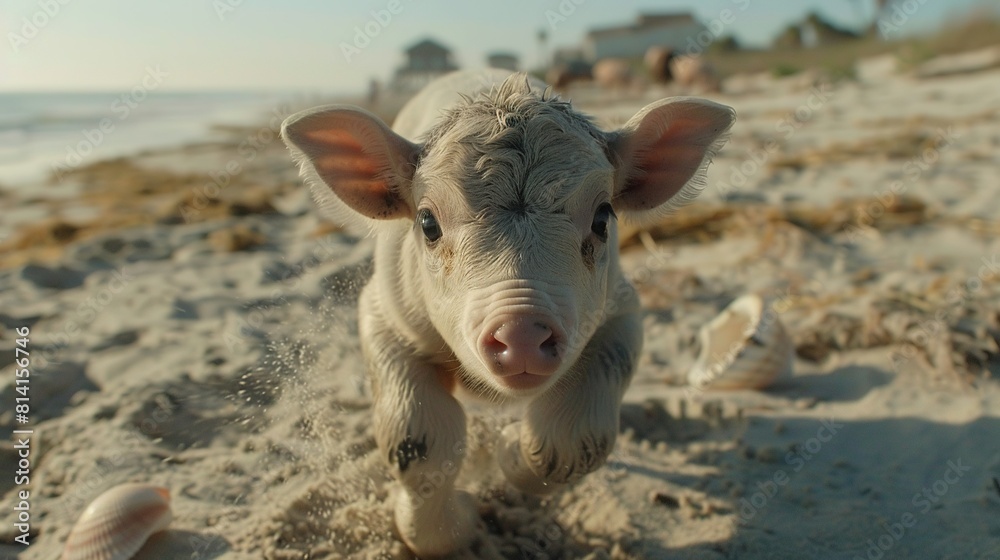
(745, 347)
(118, 522)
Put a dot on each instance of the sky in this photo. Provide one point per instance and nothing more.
(308, 45)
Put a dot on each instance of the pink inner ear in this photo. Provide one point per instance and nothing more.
(665, 170)
(360, 178)
(669, 149)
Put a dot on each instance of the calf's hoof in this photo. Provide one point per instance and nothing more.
(515, 468)
(436, 532)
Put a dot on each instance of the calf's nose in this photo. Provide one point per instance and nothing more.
(523, 345)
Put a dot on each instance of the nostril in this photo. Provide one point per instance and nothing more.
(494, 346)
(522, 344)
(550, 346)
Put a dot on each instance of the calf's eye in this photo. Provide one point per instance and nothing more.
(601, 219)
(429, 225)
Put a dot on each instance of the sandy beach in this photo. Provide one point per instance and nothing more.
(192, 324)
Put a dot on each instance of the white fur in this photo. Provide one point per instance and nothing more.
(514, 177)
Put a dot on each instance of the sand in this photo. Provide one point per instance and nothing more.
(215, 352)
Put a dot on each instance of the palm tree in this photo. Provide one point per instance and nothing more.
(543, 37)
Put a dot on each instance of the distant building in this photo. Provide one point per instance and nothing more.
(813, 31)
(506, 61)
(816, 32)
(425, 61)
(789, 38)
(650, 30)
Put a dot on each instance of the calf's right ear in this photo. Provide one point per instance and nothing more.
(352, 154)
(662, 154)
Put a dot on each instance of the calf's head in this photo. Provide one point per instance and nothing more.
(510, 207)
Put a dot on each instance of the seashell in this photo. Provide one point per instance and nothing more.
(743, 348)
(118, 522)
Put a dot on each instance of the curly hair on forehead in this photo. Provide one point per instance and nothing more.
(514, 147)
(486, 117)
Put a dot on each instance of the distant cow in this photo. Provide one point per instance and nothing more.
(613, 73)
(691, 72)
(657, 61)
(496, 272)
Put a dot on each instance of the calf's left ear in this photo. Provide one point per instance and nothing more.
(360, 170)
(662, 154)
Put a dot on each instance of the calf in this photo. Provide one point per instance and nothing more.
(495, 207)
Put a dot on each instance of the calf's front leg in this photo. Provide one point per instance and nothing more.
(420, 430)
(570, 430)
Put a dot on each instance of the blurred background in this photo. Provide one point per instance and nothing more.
(192, 313)
(162, 73)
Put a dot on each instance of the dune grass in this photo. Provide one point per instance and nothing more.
(982, 29)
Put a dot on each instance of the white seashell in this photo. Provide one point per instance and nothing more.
(743, 348)
(118, 522)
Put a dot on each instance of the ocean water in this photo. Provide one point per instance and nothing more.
(42, 134)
